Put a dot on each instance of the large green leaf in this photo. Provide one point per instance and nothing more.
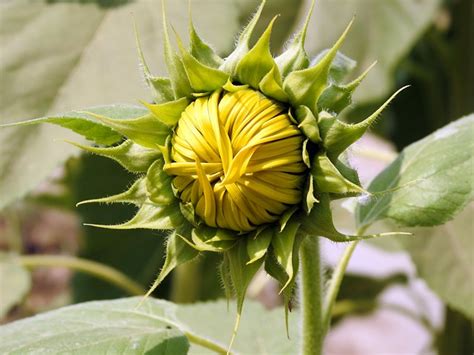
(62, 55)
(383, 30)
(261, 331)
(98, 328)
(429, 182)
(156, 326)
(15, 282)
(444, 257)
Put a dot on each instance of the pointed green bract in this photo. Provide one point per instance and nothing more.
(133, 157)
(283, 246)
(168, 112)
(163, 87)
(158, 184)
(179, 80)
(82, 123)
(340, 66)
(328, 179)
(271, 85)
(136, 194)
(295, 57)
(308, 123)
(308, 195)
(150, 216)
(146, 130)
(212, 239)
(338, 136)
(202, 78)
(202, 51)
(337, 97)
(241, 273)
(319, 222)
(305, 86)
(253, 67)
(258, 244)
(343, 166)
(177, 252)
(242, 46)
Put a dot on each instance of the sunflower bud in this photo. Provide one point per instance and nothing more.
(239, 156)
(237, 159)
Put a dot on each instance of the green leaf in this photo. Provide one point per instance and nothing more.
(443, 257)
(131, 156)
(15, 282)
(428, 183)
(383, 30)
(213, 321)
(98, 327)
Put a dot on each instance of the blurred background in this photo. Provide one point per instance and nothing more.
(59, 55)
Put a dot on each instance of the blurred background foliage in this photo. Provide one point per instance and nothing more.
(59, 55)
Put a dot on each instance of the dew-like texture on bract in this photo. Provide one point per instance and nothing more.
(237, 158)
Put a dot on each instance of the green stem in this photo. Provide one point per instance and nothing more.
(206, 343)
(193, 337)
(335, 284)
(311, 297)
(101, 271)
(186, 282)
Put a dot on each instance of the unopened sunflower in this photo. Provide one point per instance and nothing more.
(240, 156)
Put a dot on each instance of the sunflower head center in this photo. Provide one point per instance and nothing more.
(236, 157)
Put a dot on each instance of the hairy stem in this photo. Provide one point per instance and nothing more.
(101, 271)
(186, 282)
(311, 297)
(335, 284)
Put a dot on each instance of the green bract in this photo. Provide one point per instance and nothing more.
(310, 93)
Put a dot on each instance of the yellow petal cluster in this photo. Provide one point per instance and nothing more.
(237, 159)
